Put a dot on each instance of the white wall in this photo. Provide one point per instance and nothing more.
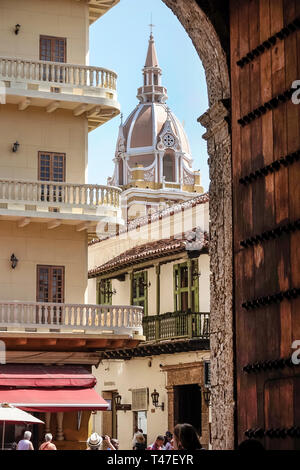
(135, 373)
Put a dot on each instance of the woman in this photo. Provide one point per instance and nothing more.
(186, 438)
(140, 442)
(167, 442)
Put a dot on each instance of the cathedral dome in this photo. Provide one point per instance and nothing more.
(153, 162)
(144, 127)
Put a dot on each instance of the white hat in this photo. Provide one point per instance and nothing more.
(94, 440)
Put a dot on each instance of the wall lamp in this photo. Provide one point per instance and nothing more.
(155, 397)
(15, 146)
(14, 261)
(17, 28)
(121, 406)
(206, 395)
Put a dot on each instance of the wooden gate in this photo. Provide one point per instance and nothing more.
(265, 61)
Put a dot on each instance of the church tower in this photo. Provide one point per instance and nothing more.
(153, 162)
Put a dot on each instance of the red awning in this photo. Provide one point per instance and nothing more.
(54, 388)
(54, 400)
(38, 376)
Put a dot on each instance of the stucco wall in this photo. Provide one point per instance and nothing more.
(33, 245)
(63, 18)
(36, 130)
(124, 376)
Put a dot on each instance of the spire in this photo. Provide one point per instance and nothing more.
(152, 91)
(151, 60)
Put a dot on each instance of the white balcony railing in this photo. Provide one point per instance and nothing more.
(60, 317)
(61, 195)
(56, 73)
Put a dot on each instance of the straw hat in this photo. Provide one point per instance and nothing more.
(94, 440)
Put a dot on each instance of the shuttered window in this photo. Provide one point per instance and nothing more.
(140, 399)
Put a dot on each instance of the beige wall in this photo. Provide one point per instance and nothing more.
(168, 226)
(36, 130)
(60, 18)
(122, 297)
(135, 373)
(33, 245)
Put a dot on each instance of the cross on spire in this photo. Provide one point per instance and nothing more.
(151, 25)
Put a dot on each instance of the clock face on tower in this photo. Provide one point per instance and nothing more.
(169, 140)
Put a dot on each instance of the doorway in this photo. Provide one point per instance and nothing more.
(187, 405)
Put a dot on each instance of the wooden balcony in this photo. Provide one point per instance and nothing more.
(82, 89)
(176, 325)
(40, 326)
(83, 205)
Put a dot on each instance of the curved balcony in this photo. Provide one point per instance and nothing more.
(83, 205)
(40, 325)
(53, 85)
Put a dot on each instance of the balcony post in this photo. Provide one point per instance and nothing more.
(157, 328)
(189, 266)
(190, 324)
(157, 271)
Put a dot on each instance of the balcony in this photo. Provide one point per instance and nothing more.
(82, 205)
(52, 85)
(176, 325)
(58, 326)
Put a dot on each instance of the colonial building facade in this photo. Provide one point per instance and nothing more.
(50, 99)
(161, 263)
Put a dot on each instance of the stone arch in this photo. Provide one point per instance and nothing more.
(199, 24)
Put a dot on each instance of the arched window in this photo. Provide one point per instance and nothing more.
(168, 167)
(121, 172)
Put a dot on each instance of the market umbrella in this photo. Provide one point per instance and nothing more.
(12, 414)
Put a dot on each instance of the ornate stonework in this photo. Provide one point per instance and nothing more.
(213, 57)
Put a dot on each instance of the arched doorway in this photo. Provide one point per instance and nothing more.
(201, 23)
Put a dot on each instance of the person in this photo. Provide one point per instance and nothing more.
(48, 445)
(25, 443)
(106, 443)
(136, 431)
(186, 438)
(94, 442)
(115, 443)
(167, 441)
(158, 444)
(250, 444)
(140, 442)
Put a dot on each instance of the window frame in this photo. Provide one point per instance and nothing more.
(192, 289)
(53, 38)
(104, 299)
(140, 298)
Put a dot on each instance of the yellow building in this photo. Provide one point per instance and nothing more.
(50, 99)
(159, 262)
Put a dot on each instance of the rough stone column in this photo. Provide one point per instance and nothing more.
(170, 392)
(221, 282)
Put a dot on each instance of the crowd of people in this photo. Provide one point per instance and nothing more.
(184, 437)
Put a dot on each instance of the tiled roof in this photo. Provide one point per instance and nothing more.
(147, 219)
(193, 240)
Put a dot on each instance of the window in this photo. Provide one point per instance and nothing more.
(168, 168)
(104, 292)
(139, 290)
(183, 287)
(53, 49)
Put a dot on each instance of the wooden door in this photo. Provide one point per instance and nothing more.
(52, 49)
(265, 61)
(51, 167)
(50, 288)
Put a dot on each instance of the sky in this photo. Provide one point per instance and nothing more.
(119, 42)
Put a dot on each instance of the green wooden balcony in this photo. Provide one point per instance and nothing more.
(173, 325)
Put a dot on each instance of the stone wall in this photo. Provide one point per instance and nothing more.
(215, 120)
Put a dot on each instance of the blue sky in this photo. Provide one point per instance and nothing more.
(119, 41)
